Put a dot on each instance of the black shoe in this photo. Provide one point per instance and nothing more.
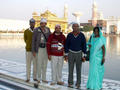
(27, 80)
(77, 86)
(35, 85)
(70, 85)
(35, 79)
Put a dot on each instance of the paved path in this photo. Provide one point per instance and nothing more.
(15, 73)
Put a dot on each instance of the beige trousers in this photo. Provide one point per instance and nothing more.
(29, 59)
(42, 63)
(57, 66)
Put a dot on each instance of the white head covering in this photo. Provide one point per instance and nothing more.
(57, 25)
(43, 20)
(75, 23)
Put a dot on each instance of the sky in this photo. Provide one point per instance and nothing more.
(23, 9)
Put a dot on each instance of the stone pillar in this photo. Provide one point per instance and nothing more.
(108, 28)
(66, 11)
(77, 15)
(118, 27)
(94, 14)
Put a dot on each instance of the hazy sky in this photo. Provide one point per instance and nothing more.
(22, 9)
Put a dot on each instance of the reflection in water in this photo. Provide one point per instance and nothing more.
(11, 42)
(118, 45)
(13, 48)
(113, 44)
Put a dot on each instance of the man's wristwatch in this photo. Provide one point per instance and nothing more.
(84, 55)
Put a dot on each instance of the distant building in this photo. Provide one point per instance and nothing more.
(13, 25)
(85, 24)
(109, 25)
(113, 25)
(102, 23)
(94, 14)
(97, 17)
(52, 19)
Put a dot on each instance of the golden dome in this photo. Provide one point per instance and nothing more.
(34, 13)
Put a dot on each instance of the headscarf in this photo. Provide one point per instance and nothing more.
(100, 36)
(102, 40)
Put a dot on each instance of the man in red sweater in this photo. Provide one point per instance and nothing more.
(55, 50)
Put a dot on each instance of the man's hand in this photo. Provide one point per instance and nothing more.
(66, 58)
(34, 54)
(83, 59)
(103, 61)
(49, 57)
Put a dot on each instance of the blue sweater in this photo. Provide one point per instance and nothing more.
(75, 43)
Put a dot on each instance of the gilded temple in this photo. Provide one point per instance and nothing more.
(52, 19)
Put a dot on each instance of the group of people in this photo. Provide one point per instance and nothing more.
(42, 45)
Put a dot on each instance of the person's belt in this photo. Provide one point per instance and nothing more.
(75, 51)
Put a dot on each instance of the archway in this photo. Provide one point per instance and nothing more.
(113, 26)
(113, 29)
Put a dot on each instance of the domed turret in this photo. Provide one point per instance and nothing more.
(34, 14)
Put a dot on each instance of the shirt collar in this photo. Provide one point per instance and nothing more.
(76, 34)
(30, 29)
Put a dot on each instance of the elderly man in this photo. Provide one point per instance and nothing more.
(55, 49)
(40, 36)
(29, 56)
(75, 45)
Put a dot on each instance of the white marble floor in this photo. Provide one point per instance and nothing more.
(17, 71)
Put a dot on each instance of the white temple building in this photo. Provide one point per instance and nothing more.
(110, 25)
(13, 25)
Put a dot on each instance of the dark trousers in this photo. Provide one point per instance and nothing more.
(74, 58)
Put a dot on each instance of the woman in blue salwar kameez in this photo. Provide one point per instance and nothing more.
(97, 46)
